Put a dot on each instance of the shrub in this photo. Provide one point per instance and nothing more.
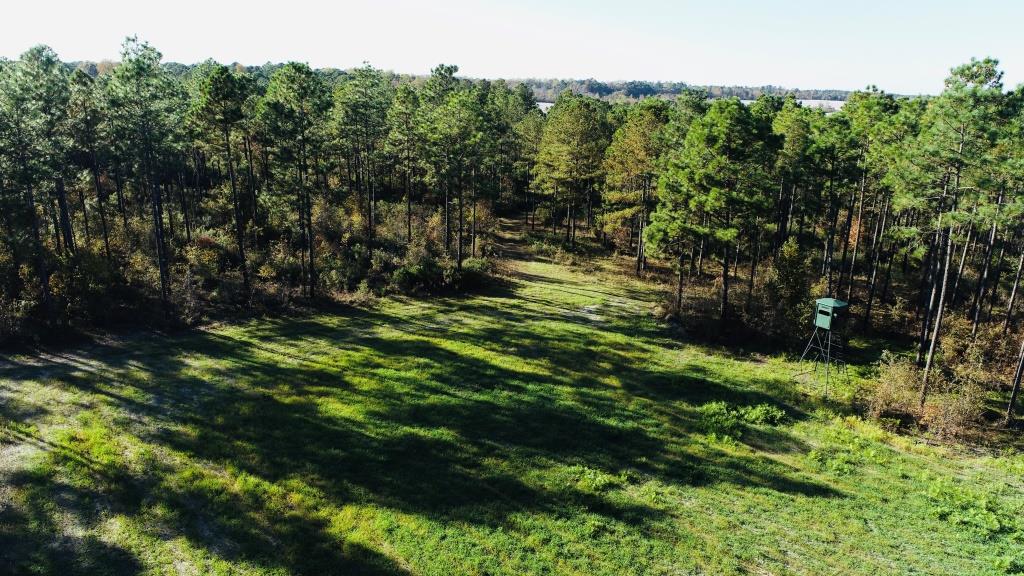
(13, 316)
(894, 392)
(834, 459)
(592, 480)
(423, 274)
(382, 265)
(975, 510)
(205, 259)
(788, 290)
(954, 413)
(541, 245)
(718, 420)
(847, 445)
(954, 405)
(892, 318)
(476, 273)
(722, 420)
(762, 415)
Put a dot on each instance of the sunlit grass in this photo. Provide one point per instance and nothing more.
(548, 427)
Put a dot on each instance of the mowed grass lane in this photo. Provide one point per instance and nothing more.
(547, 427)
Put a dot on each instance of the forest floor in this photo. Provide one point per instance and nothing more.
(548, 426)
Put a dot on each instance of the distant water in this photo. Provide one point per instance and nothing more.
(829, 105)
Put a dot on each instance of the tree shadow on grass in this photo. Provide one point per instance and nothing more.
(457, 394)
(362, 416)
(49, 525)
(33, 542)
(40, 515)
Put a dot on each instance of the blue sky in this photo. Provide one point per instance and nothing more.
(901, 46)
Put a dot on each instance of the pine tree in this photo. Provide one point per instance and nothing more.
(219, 104)
(571, 153)
(631, 168)
(293, 113)
(721, 175)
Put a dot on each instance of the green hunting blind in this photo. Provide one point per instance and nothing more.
(827, 343)
(829, 312)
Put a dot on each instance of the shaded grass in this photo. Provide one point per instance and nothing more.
(547, 426)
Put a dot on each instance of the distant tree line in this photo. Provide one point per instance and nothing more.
(548, 90)
(544, 89)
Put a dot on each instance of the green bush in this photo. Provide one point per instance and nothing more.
(717, 419)
(893, 395)
(762, 415)
(975, 510)
(789, 289)
(835, 459)
(721, 420)
(847, 445)
(420, 274)
(13, 316)
(476, 273)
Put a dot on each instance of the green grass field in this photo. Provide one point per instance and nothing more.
(547, 427)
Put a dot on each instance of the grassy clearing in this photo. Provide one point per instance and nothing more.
(549, 427)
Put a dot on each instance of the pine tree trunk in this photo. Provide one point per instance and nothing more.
(408, 207)
(1013, 294)
(166, 191)
(877, 248)
(724, 314)
(158, 235)
(888, 277)
(119, 189)
(979, 293)
(41, 267)
(831, 238)
(996, 275)
(102, 208)
(780, 212)
(938, 318)
(303, 236)
(473, 223)
(846, 241)
(253, 193)
(372, 221)
(932, 282)
(310, 245)
(1015, 389)
(640, 234)
(679, 287)
(58, 241)
(185, 216)
(856, 238)
(700, 257)
(458, 248)
(447, 222)
(65, 216)
(85, 213)
(568, 221)
(955, 296)
(640, 246)
(753, 270)
(239, 220)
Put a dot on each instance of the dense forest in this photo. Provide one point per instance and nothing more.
(138, 192)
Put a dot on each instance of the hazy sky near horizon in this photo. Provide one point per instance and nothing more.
(903, 46)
